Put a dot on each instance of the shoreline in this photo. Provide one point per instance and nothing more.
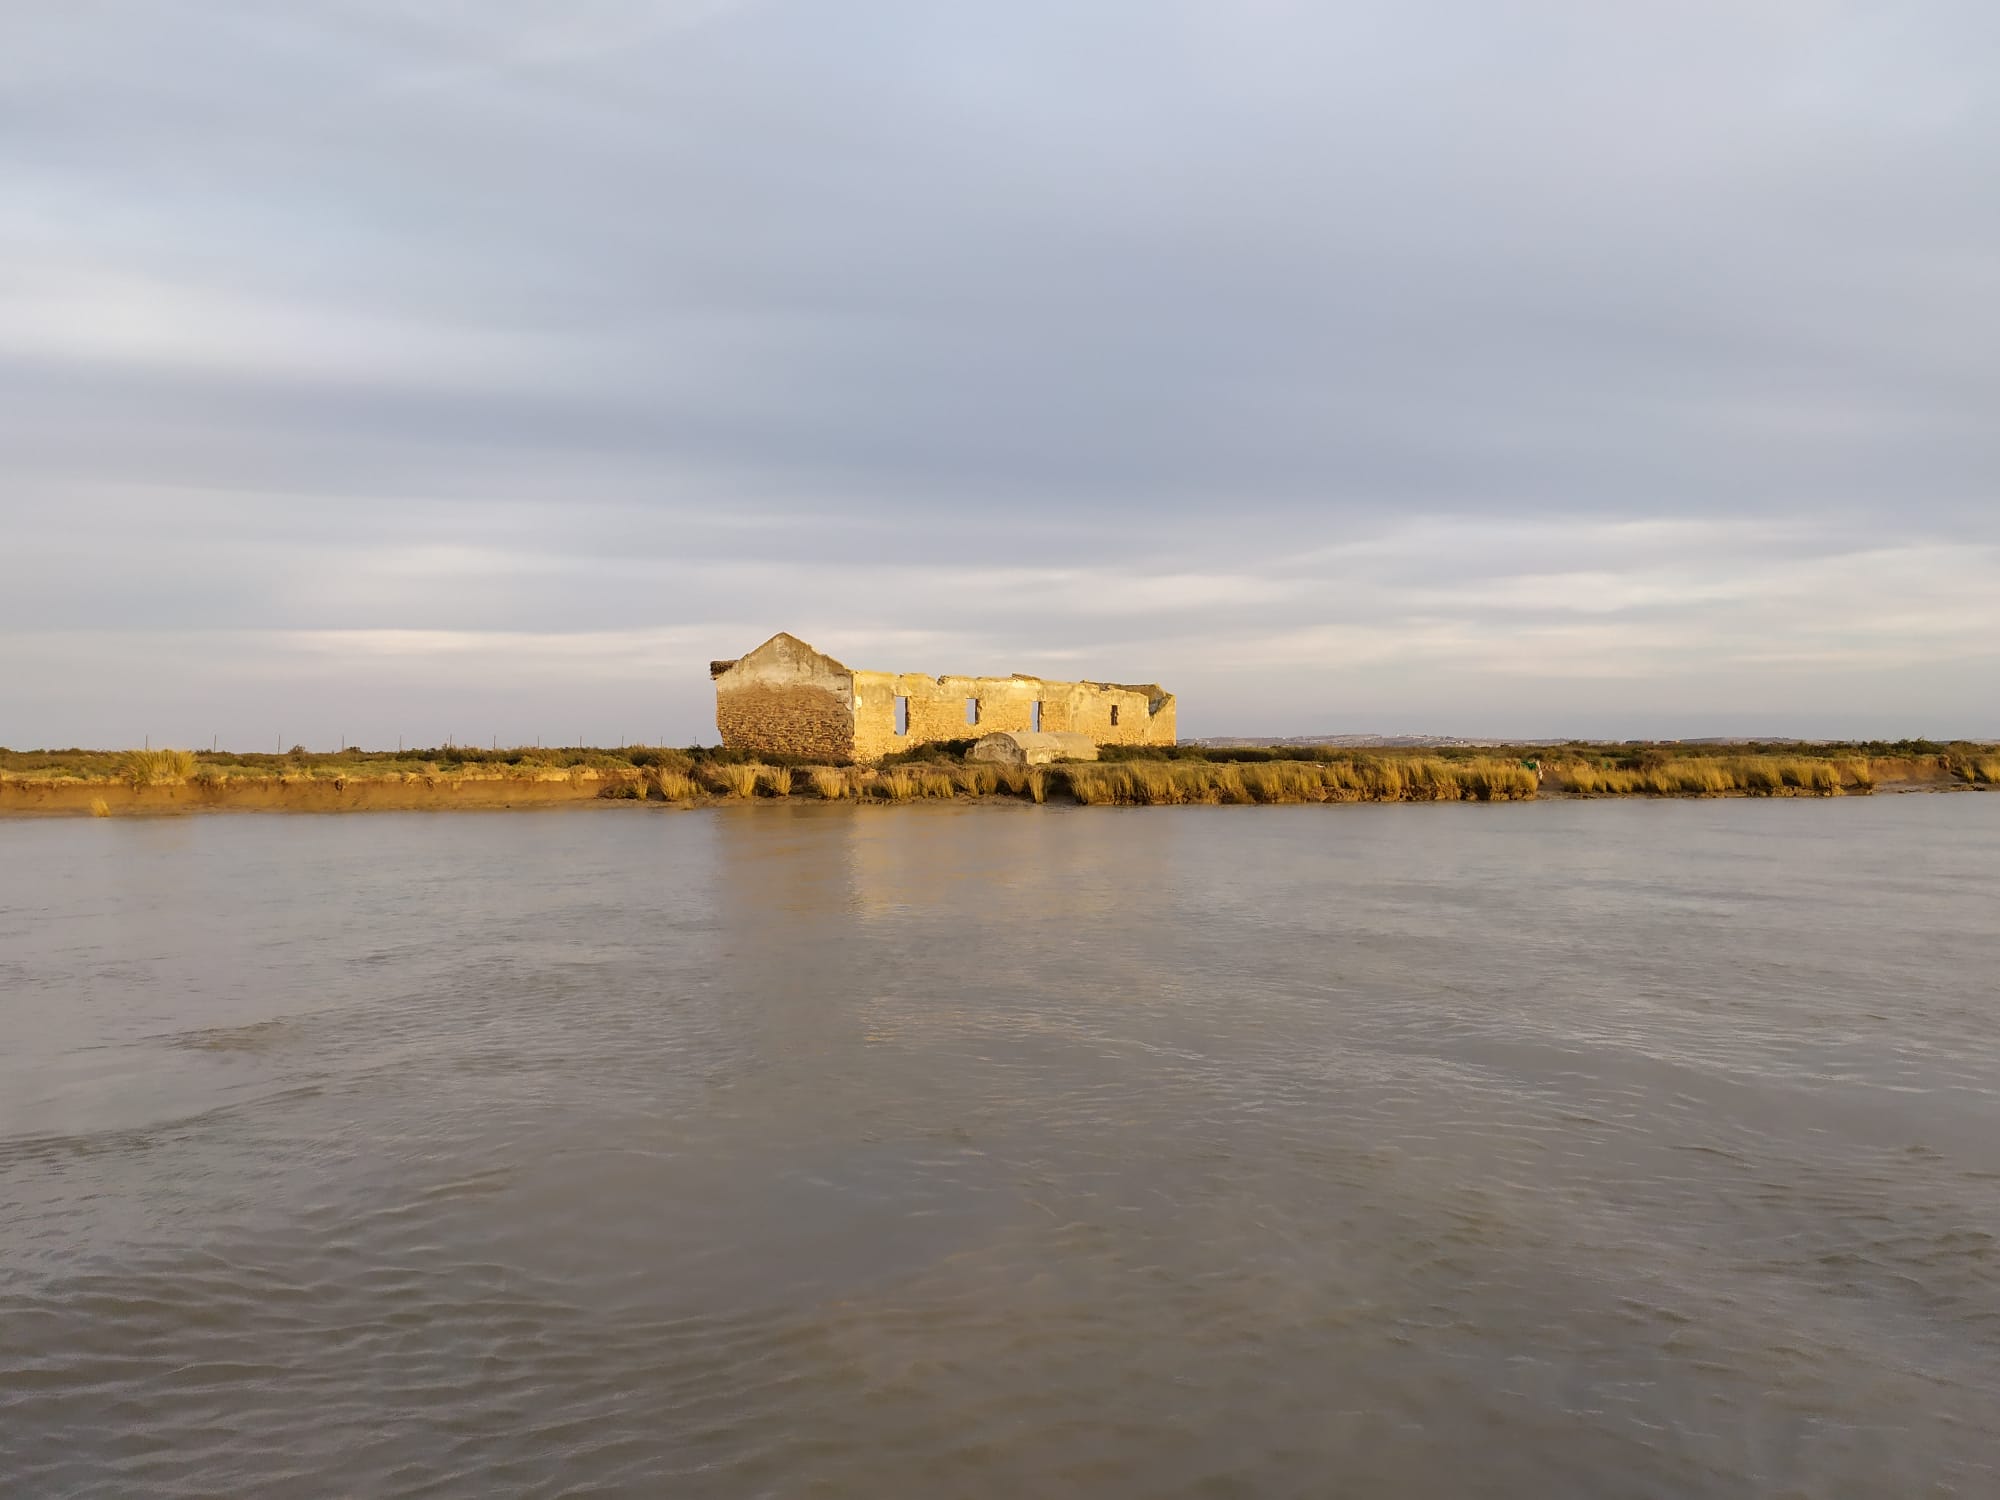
(25, 798)
(147, 783)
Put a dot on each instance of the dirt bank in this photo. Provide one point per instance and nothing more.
(60, 798)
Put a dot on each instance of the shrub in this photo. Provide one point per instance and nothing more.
(776, 781)
(929, 751)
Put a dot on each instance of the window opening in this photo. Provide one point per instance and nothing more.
(902, 715)
(1035, 717)
(972, 710)
(1114, 716)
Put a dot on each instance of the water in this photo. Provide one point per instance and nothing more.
(1554, 1150)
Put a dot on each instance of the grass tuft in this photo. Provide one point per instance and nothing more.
(831, 784)
(674, 785)
(733, 781)
(144, 768)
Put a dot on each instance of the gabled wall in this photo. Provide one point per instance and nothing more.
(785, 698)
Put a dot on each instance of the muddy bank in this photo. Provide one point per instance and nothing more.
(59, 798)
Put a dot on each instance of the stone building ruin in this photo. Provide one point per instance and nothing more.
(785, 698)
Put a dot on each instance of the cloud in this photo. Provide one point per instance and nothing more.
(1344, 367)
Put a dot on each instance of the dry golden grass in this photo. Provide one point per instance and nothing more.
(976, 780)
(733, 781)
(832, 784)
(1751, 775)
(1981, 772)
(1096, 784)
(1171, 783)
(99, 808)
(144, 768)
(1283, 781)
(912, 782)
(1176, 777)
(675, 786)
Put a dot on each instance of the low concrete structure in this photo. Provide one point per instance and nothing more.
(1017, 747)
(785, 698)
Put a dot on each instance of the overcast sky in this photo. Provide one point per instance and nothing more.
(482, 368)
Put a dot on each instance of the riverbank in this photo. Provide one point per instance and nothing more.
(106, 784)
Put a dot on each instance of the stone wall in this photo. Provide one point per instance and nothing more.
(796, 720)
(1111, 714)
(785, 698)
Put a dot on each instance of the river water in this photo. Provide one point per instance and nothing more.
(1606, 1149)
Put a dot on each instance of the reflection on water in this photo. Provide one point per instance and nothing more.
(1427, 1151)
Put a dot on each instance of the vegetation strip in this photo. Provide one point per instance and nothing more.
(1143, 776)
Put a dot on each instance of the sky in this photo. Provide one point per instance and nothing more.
(480, 369)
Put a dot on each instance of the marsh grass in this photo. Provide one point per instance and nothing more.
(1754, 776)
(1170, 783)
(672, 785)
(909, 783)
(832, 783)
(976, 780)
(733, 781)
(144, 768)
(1127, 775)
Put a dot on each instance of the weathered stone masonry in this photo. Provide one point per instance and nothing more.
(785, 698)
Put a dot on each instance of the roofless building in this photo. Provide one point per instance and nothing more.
(785, 698)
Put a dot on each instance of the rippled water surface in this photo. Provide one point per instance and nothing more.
(1560, 1150)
